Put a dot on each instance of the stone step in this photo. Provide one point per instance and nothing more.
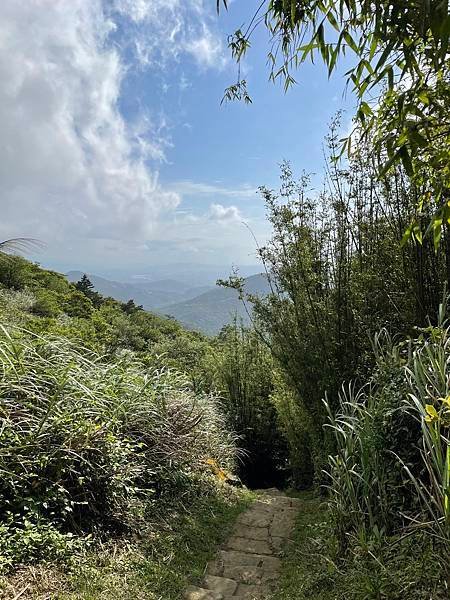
(249, 596)
(247, 567)
(198, 593)
(220, 585)
(252, 533)
(255, 518)
(241, 559)
(243, 544)
(250, 575)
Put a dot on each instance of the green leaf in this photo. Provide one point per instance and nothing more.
(406, 236)
(332, 20)
(351, 42)
(417, 232)
(423, 97)
(406, 160)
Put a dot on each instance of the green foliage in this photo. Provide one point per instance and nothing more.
(244, 375)
(389, 477)
(401, 48)
(337, 275)
(405, 567)
(85, 286)
(76, 304)
(171, 552)
(429, 402)
(46, 303)
(88, 444)
(294, 423)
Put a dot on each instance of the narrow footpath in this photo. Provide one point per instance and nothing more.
(248, 564)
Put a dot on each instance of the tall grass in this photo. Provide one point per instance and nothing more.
(87, 444)
(358, 475)
(391, 467)
(428, 374)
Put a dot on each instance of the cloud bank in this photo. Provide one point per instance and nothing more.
(74, 172)
(69, 162)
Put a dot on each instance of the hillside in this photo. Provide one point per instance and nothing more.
(210, 311)
(202, 308)
(149, 294)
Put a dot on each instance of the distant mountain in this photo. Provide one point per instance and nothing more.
(210, 311)
(188, 274)
(151, 294)
(171, 286)
(204, 308)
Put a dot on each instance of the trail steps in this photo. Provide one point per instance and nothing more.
(248, 565)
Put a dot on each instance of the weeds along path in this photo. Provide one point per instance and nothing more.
(248, 564)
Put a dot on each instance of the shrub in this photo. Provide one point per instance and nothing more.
(76, 304)
(392, 466)
(46, 303)
(294, 424)
(15, 304)
(88, 445)
(244, 374)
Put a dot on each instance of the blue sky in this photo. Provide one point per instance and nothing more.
(117, 152)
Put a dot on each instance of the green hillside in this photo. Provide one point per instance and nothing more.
(214, 309)
(151, 294)
(107, 427)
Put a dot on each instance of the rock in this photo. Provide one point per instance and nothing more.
(215, 567)
(250, 575)
(252, 591)
(255, 518)
(242, 544)
(283, 523)
(220, 585)
(270, 563)
(196, 593)
(278, 543)
(234, 558)
(252, 533)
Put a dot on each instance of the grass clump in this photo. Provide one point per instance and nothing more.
(92, 448)
(168, 554)
(399, 568)
(171, 555)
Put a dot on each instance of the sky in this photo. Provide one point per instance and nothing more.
(116, 151)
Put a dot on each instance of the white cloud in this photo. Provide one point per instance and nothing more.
(68, 160)
(225, 214)
(166, 29)
(207, 50)
(195, 188)
(73, 172)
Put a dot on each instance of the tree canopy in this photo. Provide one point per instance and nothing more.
(400, 76)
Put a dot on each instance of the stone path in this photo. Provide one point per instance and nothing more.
(247, 566)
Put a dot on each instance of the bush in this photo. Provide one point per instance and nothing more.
(89, 445)
(392, 465)
(294, 424)
(46, 304)
(244, 374)
(14, 305)
(76, 304)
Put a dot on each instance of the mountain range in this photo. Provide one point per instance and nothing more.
(151, 294)
(213, 309)
(205, 308)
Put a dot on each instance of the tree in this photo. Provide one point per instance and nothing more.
(77, 304)
(244, 377)
(86, 287)
(337, 275)
(131, 307)
(401, 77)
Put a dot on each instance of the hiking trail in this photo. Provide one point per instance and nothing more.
(248, 564)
